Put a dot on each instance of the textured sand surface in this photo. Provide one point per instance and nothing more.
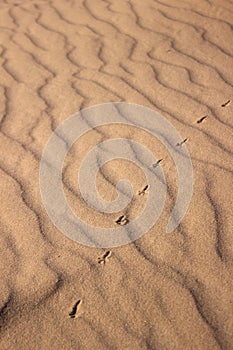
(162, 291)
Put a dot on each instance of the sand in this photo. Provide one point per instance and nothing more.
(161, 291)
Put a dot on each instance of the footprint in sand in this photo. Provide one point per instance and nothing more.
(157, 163)
(122, 220)
(102, 260)
(182, 142)
(144, 190)
(75, 309)
(226, 103)
(199, 121)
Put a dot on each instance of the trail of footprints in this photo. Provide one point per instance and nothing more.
(77, 307)
(123, 220)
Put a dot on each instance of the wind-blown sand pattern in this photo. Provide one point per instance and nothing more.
(162, 291)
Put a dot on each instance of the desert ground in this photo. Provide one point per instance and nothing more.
(162, 291)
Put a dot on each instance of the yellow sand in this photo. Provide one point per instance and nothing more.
(161, 292)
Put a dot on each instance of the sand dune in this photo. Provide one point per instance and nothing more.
(161, 291)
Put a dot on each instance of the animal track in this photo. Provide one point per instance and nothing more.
(105, 257)
(147, 63)
(73, 313)
(122, 220)
(144, 190)
(202, 119)
(157, 163)
(182, 142)
(226, 103)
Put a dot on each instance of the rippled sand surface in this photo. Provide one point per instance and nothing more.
(162, 291)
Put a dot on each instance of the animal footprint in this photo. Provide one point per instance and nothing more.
(202, 119)
(157, 163)
(182, 142)
(144, 190)
(122, 220)
(75, 309)
(105, 257)
(226, 103)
